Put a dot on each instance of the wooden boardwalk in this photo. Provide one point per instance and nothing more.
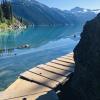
(41, 79)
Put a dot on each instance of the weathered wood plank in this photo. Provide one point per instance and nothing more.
(60, 66)
(28, 97)
(66, 64)
(49, 75)
(36, 96)
(40, 80)
(65, 60)
(22, 88)
(68, 57)
(54, 70)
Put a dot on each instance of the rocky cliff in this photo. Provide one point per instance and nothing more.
(86, 80)
(85, 83)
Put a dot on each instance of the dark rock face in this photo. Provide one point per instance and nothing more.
(86, 79)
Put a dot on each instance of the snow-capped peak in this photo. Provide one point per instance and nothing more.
(83, 10)
(96, 11)
(78, 9)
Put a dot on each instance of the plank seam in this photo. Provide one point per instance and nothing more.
(52, 72)
(44, 76)
(62, 64)
(30, 80)
(58, 68)
(67, 58)
(66, 61)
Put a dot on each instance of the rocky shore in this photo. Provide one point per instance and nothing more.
(14, 25)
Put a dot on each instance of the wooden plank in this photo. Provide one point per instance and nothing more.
(50, 95)
(65, 60)
(68, 57)
(29, 97)
(49, 75)
(54, 70)
(70, 53)
(60, 66)
(34, 97)
(40, 80)
(21, 88)
(66, 64)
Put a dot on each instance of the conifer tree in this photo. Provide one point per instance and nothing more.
(7, 9)
(1, 15)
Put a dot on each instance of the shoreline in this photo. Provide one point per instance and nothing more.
(11, 29)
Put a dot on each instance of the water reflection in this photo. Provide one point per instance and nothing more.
(34, 37)
(8, 41)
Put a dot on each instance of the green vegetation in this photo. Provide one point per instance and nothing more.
(6, 17)
(3, 26)
(5, 11)
(7, 20)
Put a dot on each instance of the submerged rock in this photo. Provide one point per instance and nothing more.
(86, 79)
(24, 46)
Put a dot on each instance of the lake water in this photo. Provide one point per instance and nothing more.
(46, 43)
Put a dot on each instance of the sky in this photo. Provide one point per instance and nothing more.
(68, 4)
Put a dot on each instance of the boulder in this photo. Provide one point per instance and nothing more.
(86, 78)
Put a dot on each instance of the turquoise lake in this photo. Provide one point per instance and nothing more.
(46, 43)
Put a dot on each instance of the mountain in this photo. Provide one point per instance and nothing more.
(84, 14)
(83, 10)
(39, 14)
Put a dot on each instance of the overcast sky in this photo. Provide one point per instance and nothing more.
(68, 4)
